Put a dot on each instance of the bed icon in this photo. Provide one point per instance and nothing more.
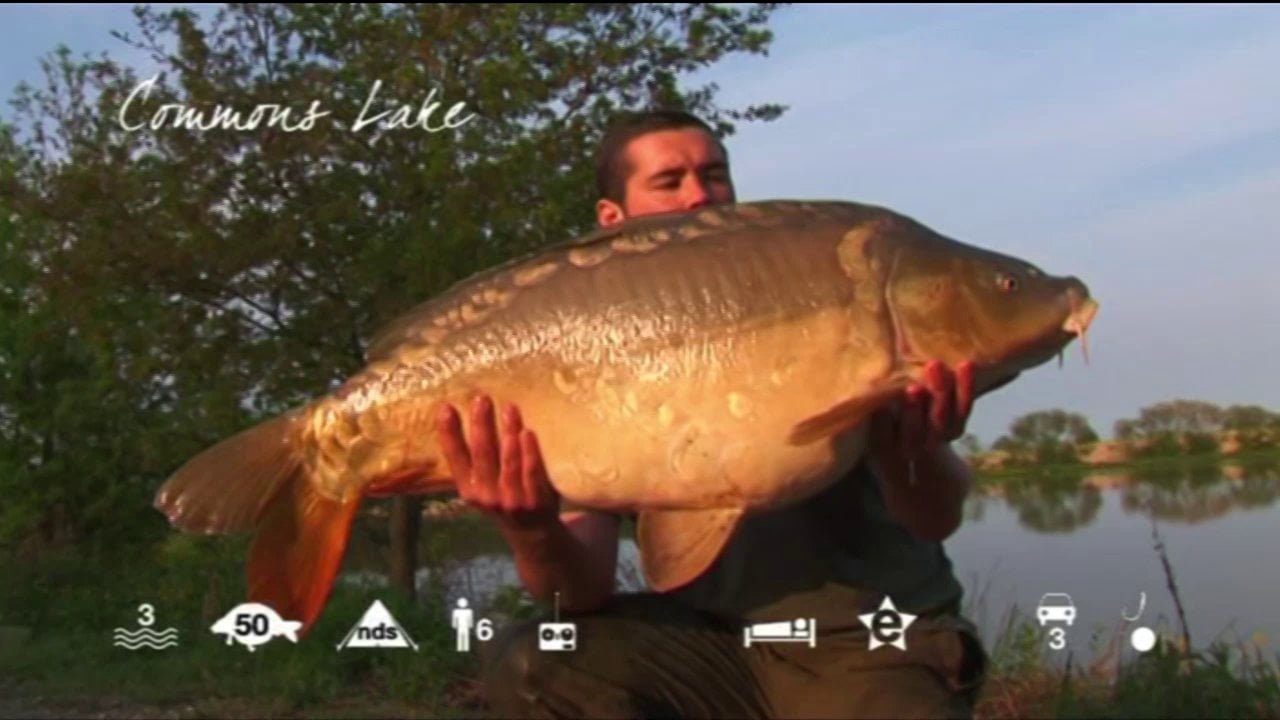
(798, 630)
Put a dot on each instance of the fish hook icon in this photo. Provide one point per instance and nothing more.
(1142, 605)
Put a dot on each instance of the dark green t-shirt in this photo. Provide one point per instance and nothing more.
(825, 558)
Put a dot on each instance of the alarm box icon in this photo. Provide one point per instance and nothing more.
(557, 636)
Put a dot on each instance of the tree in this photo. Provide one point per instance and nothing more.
(1179, 416)
(202, 271)
(1248, 417)
(1125, 429)
(970, 445)
(1052, 426)
(1050, 435)
(1175, 426)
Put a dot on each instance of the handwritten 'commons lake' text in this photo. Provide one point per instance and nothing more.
(288, 119)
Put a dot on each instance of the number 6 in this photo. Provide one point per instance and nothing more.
(484, 630)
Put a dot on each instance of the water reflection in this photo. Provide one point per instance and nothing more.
(1181, 492)
(461, 557)
(1056, 505)
(1196, 493)
(1204, 530)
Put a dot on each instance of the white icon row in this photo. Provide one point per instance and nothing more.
(255, 624)
(552, 636)
(886, 625)
(1059, 608)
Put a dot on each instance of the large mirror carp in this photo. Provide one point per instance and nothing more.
(692, 368)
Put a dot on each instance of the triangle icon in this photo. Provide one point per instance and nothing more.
(377, 629)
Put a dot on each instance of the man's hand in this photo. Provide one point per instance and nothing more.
(931, 415)
(505, 479)
(923, 480)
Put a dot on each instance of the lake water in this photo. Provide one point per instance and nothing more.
(1092, 538)
(1089, 536)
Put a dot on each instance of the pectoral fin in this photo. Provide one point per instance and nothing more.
(676, 546)
(846, 415)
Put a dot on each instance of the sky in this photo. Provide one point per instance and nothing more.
(1135, 147)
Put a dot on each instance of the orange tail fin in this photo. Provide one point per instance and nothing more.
(256, 481)
(227, 487)
(302, 537)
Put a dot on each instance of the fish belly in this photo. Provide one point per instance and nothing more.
(666, 377)
(703, 425)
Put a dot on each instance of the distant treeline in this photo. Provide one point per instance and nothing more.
(1174, 427)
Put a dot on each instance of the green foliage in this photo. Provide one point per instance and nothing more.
(969, 444)
(1165, 683)
(1259, 438)
(191, 582)
(1125, 429)
(1162, 444)
(1248, 417)
(1200, 443)
(1019, 648)
(1047, 437)
(163, 287)
(1221, 681)
(1051, 425)
(1178, 418)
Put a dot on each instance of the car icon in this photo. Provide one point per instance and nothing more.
(1056, 607)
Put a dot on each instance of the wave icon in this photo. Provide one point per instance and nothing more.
(146, 637)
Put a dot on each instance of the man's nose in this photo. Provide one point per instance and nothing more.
(696, 194)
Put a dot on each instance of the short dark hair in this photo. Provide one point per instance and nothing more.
(611, 160)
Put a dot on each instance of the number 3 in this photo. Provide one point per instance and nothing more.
(148, 615)
(1058, 638)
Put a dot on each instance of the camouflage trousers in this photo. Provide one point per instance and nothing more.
(647, 656)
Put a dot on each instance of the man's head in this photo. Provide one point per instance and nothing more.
(660, 161)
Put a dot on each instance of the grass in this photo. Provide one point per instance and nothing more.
(68, 658)
(1224, 681)
(67, 665)
(1172, 680)
(1142, 464)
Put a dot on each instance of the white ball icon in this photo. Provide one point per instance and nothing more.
(1143, 639)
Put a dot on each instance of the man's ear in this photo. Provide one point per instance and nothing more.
(609, 213)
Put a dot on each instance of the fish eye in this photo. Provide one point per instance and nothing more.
(1006, 282)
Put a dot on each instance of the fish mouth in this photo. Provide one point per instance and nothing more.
(1083, 311)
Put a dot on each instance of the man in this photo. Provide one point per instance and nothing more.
(835, 558)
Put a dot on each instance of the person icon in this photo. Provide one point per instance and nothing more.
(463, 617)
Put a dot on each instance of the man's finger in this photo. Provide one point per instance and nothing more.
(914, 416)
(942, 405)
(963, 399)
(535, 472)
(484, 445)
(453, 445)
(511, 488)
(964, 393)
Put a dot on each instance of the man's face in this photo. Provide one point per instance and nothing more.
(671, 170)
